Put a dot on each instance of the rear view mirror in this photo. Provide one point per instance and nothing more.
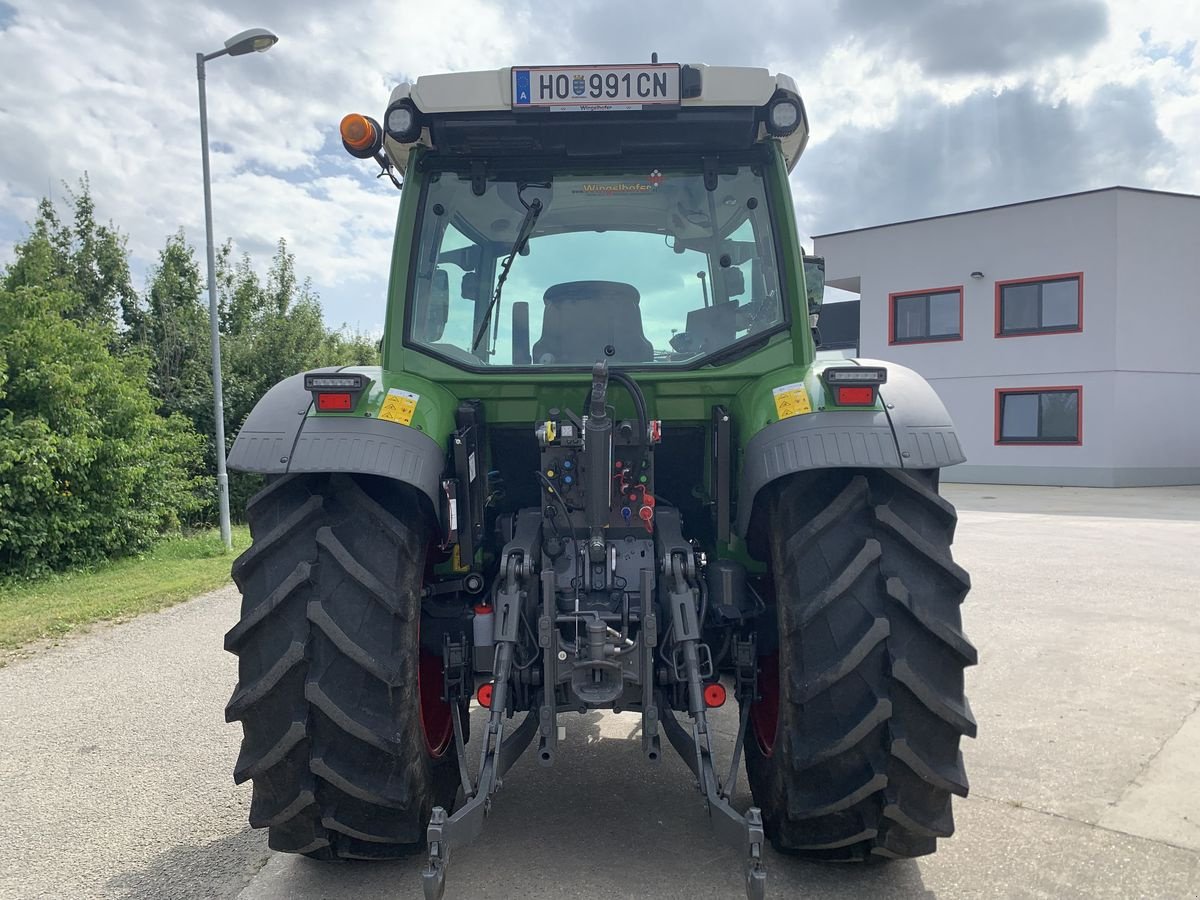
(814, 281)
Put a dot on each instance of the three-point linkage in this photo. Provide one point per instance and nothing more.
(598, 566)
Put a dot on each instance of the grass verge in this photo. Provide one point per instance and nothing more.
(173, 570)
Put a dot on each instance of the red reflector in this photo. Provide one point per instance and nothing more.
(714, 695)
(484, 695)
(330, 402)
(856, 396)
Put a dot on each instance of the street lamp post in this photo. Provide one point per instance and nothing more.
(255, 40)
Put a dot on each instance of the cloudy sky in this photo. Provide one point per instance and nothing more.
(917, 107)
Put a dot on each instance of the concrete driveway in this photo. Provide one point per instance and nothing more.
(1085, 779)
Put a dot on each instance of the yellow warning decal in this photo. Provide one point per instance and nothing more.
(791, 400)
(399, 406)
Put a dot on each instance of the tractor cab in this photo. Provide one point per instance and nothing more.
(569, 215)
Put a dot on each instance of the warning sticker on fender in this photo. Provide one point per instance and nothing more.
(399, 406)
(791, 400)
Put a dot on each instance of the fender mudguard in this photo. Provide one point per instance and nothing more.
(280, 438)
(911, 431)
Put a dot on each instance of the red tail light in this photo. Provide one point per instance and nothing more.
(855, 396)
(334, 402)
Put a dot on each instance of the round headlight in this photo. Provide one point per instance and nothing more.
(401, 123)
(783, 116)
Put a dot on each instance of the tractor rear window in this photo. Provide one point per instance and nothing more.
(643, 268)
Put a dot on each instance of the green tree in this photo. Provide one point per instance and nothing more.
(106, 397)
(176, 331)
(43, 259)
(88, 470)
(239, 292)
(87, 260)
(352, 348)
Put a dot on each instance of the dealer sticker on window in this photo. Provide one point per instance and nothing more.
(791, 400)
(399, 406)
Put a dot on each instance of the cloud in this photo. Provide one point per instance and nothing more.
(986, 150)
(84, 91)
(716, 32)
(967, 37)
(916, 107)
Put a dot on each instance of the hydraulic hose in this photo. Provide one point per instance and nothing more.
(598, 434)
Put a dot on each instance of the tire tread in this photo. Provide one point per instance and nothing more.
(327, 652)
(872, 655)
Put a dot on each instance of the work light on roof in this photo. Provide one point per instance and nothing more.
(401, 122)
(784, 115)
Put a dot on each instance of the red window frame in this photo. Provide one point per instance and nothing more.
(1000, 285)
(1002, 392)
(900, 295)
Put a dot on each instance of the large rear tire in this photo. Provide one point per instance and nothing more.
(345, 735)
(854, 750)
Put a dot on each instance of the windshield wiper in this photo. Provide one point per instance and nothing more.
(531, 216)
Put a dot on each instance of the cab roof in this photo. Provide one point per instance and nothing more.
(472, 114)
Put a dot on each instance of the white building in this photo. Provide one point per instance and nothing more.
(1063, 334)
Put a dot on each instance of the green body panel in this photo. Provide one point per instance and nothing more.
(681, 397)
(433, 415)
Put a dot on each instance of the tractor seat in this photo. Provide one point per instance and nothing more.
(582, 318)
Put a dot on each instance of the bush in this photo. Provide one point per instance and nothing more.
(106, 418)
(88, 470)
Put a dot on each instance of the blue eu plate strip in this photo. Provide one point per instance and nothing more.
(522, 96)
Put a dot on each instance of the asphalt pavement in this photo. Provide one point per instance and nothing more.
(115, 759)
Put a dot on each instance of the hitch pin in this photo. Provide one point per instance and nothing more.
(616, 635)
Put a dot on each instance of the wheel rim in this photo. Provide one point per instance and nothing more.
(436, 723)
(764, 712)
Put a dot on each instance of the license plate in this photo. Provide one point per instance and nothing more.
(595, 88)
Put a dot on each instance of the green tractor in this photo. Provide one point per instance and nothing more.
(600, 467)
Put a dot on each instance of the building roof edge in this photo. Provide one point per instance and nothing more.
(967, 212)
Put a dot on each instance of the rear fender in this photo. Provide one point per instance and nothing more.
(281, 437)
(909, 429)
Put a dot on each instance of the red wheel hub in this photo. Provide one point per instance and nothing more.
(436, 722)
(764, 712)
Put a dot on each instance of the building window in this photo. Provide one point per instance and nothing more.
(1044, 415)
(922, 316)
(1051, 305)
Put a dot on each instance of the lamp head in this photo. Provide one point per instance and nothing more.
(252, 40)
